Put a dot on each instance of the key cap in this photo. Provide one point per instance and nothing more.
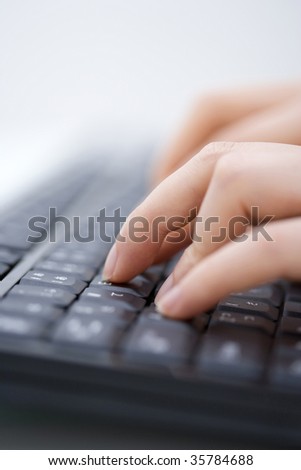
(154, 273)
(137, 286)
(242, 320)
(267, 293)
(290, 325)
(88, 331)
(287, 345)
(4, 268)
(96, 294)
(51, 295)
(293, 292)
(15, 240)
(292, 309)
(249, 305)
(96, 248)
(8, 256)
(63, 281)
(160, 342)
(233, 353)
(286, 371)
(77, 257)
(21, 327)
(200, 322)
(82, 272)
(151, 314)
(39, 310)
(108, 310)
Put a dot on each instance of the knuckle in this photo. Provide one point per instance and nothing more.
(214, 151)
(231, 167)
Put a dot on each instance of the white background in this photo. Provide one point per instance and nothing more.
(75, 73)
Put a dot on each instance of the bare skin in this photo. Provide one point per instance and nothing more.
(226, 178)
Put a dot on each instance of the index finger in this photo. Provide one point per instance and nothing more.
(176, 196)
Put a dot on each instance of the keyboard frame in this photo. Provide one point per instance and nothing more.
(68, 381)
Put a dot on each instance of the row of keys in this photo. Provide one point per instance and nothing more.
(249, 305)
(236, 344)
(45, 293)
(48, 279)
(140, 286)
(9, 257)
(14, 230)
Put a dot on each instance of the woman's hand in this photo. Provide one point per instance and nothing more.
(261, 114)
(226, 181)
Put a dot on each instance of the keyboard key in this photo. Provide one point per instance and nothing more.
(293, 292)
(242, 320)
(21, 327)
(151, 314)
(233, 353)
(49, 295)
(88, 331)
(4, 268)
(201, 322)
(96, 294)
(154, 273)
(288, 345)
(137, 286)
(249, 305)
(78, 257)
(161, 342)
(46, 279)
(24, 307)
(93, 248)
(270, 293)
(292, 309)
(286, 371)
(8, 256)
(108, 310)
(15, 240)
(290, 325)
(79, 271)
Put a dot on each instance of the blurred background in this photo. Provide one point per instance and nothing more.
(106, 74)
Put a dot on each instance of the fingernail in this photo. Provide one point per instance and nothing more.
(167, 284)
(110, 264)
(169, 303)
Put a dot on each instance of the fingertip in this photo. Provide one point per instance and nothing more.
(169, 304)
(110, 264)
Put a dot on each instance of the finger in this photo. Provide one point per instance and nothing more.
(237, 267)
(175, 242)
(178, 195)
(211, 114)
(279, 123)
(242, 177)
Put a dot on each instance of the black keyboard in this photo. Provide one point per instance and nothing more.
(68, 338)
